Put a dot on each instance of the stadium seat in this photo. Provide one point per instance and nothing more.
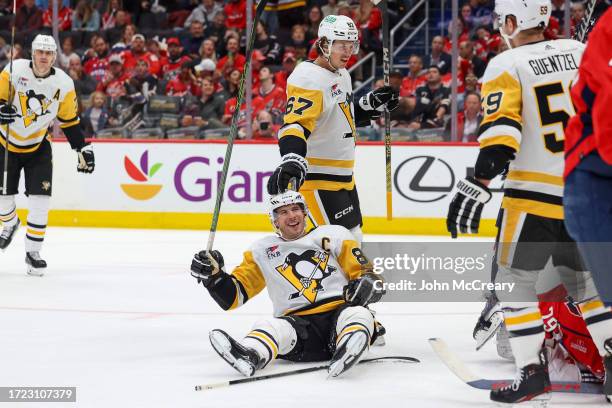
(189, 132)
(148, 133)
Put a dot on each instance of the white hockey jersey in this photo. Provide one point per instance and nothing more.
(320, 110)
(39, 101)
(526, 102)
(304, 276)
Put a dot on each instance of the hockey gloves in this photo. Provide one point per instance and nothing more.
(363, 290)
(87, 161)
(8, 113)
(293, 168)
(379, 98)
(207, 264)
(465, 210)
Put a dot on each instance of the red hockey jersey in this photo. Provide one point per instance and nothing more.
(591, 128)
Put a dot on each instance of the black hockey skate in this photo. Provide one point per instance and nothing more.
(7, 235)
(489, 321)
(532, 384)
(349, 353)
(607, 387)
(36, 265)
(243, 359)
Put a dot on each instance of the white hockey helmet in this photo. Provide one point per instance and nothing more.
(287, 198)
(44, 43)
(528, 14)
(339, 28)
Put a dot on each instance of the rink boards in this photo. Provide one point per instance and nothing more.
(173, 184)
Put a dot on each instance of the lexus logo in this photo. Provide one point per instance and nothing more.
(424, 179)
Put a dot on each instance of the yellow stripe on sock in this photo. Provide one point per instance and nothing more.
(530, 317)
(268, 341)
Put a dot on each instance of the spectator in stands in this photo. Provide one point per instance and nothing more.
(468, 61)
(487, 43)
(284, 14)
(83, 84)
(185, 83)
(230, 107)
(416, 77)
(206, 69)
(126, 39)
(29, 18)
(158, 49)
(205, 111)
(145, 18)
(257, 62)
(235, 15)
(432, 102)
(193, 41)
(204, 13)
(297, 43)
(137, 53)
(231, 83)
(65, 53)
(267, 44)
(64, 16)
(109, 16)
(468, 120)
(233, 60)
(577, 13)
(97, 116)
(113, 84)
(369, 19)
(330, 8)
(97, 64)
(315, 16)
(438, 57)
(482, 12)
(175, 59)
(289, 63)
(85, 17)
(6, 8)
(274, 97)
(216, 32)
(470, 85)
(208, 51)
(263, 126)
(558, 11)
(462, 34)
(344, 9)
(142, 85)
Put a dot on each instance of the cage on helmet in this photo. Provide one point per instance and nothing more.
(528, 14)
(334, 28)
(287, 198)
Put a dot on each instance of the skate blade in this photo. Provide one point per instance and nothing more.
(484, 336)
(541, 401)
(355, 346)
(222, 346)
(380, 341)
(35, 271)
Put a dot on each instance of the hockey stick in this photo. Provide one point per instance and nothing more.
(586, 23)
(393, 359)
(234, 126)
(460, 369)
(382, 4)
(10, 101)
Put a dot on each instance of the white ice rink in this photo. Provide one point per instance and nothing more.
(118, 316)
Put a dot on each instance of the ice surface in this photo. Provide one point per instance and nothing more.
(118, 316)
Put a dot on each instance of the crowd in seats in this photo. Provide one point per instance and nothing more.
(167, 65)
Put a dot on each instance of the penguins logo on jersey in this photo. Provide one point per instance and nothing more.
(348, 112)
(33, 105)
(306, 273)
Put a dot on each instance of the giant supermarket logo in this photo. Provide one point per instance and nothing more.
(143, 189)
(195, 179)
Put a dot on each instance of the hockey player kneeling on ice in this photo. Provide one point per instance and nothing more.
(39, 94)
(320, 284)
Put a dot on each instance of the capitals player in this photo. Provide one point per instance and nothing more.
(317, 139)
(319, 283)
(39, 94)
(526, 104)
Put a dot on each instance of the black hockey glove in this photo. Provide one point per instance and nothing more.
(379, 98)
(465, 210)
(363, 290)
(8, 113)
(293, 166)
(207, 264)
(87, 161)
